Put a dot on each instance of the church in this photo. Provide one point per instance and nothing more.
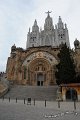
(36, 65)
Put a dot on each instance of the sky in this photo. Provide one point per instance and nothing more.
(16, 16)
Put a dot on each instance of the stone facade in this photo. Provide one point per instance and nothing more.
(36, 64)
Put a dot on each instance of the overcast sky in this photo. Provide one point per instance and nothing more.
(16, 16)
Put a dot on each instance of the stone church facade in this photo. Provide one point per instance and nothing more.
(36, 64)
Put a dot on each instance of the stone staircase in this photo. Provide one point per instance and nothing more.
(33, 92)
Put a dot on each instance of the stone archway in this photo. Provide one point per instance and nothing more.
(40, 69)
(71, 94)
(40, 72)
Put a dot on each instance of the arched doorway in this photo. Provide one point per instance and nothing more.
(40, 69)
(71, 94)
(40, 79)
(40, 72)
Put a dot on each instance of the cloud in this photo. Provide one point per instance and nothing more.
(16, 16)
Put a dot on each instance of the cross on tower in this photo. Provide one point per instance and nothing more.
(48, 12)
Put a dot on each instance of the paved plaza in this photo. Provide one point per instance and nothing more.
(20, 111)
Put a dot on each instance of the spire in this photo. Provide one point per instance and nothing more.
(40, 29)
(55, 26)
(35, 27)
(35, 23)
(60, 23)
(29, 30)
(65, 25)
(60, 20)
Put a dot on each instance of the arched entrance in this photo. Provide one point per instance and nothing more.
(71, 94)
(40, 72)
(40, 79)
(40, 69)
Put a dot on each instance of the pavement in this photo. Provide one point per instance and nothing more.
(17, 110)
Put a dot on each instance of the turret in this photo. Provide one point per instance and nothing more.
(63, 36)
(33, 37)
(13, 48)
(35, 27)
(76, 43)
(13, 51)
(28, 38)
(60, 23)
(61, 32)
(67, 36)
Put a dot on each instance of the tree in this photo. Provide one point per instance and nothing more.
(65, 69)
(78, 78)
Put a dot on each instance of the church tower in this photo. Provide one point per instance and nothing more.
(50, 36)
(48, 26)
(48, 31)
(33, 37)
(61, 33)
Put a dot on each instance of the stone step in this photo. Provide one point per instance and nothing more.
(34, 92)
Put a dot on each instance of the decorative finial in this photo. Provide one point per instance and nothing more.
(65, 25)
(48, 12)
(40, 29)
(60, 20)
(29, 30)
(35, 22)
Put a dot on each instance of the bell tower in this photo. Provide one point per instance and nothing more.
(61, 33)
(33, 37)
